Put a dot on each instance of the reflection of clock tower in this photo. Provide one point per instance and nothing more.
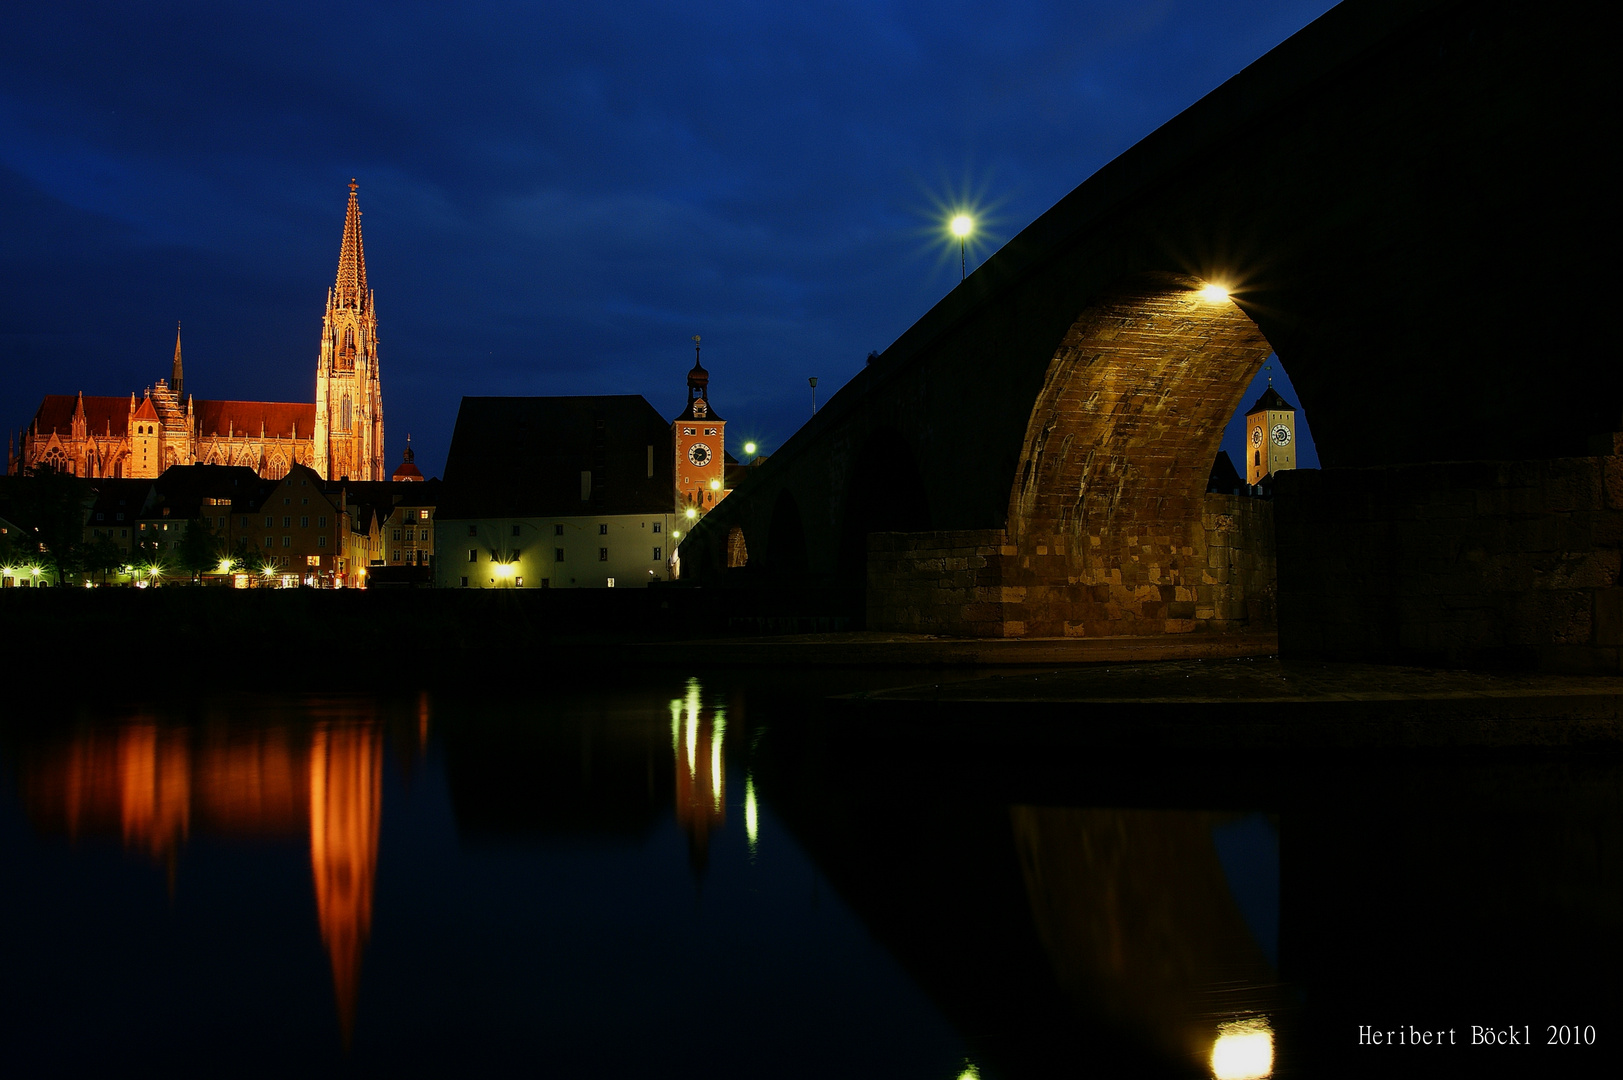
(1270, 432)
(701, 470)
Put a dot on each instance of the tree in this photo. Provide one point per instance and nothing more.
(52, 504)
(200, 548)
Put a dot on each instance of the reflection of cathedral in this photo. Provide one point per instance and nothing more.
(155, 785)
(340, 435)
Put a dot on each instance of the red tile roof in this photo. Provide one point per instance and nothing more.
(56, 413)
(282, 418)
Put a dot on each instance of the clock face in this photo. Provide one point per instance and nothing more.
(699, 454)
(1256, 436)
(1282, 435)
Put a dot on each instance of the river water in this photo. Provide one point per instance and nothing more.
(731, 876)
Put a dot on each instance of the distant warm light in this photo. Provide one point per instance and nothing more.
(752, 814)
(749, 448)
(715, 485)
(969, 1073)
(225, 566)
(266, 571)
(34, 571)
(675, 533)
(961, 225)
(692, 513)
(1213, 293)
(1244, 1050)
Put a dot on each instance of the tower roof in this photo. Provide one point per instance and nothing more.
(1270, 399)
(351, 255)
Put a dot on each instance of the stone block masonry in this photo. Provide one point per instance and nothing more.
(1215, 576)
(1483, 563)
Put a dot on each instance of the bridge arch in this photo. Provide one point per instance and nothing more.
(1109, 530)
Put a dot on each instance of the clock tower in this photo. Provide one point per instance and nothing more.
(701, 455)
(1270, 436)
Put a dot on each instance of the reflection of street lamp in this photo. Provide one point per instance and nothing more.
(962, 225)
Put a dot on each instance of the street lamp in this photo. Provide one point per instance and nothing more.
(962, 225)
(813, 381)
(1213, 293)
(749, 448)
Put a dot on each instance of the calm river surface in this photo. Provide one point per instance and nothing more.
(729, 876)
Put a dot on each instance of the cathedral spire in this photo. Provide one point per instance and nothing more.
(351, 287)
(175, 376)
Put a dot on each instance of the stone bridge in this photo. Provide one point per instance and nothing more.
(1403, 201)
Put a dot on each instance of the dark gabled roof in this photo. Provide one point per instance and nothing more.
(183, 488)
(116, 496)
(524, 456)
(1270, 399)
(1224, 478)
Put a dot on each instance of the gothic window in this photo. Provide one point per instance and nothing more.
(277, 468)
(344, 419)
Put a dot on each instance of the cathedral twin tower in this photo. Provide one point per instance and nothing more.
(340, 436)
(349, 394)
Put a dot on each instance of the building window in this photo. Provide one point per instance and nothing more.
(287, 541)
(100, 516)
(424, 535)
(244, 521)
(321, 522)
(656, 526)
(557, 530)
(515, 530)
(557, 554)
(269, 521)
(422, 515)
(602, 554)
(396, 557)
(304, 522)
(312, 560)
(219, 523)
(473, 554)
(473, 530)
(603, 529)
(656, 554)
(270, 541)
(518, 583)
(321, 541)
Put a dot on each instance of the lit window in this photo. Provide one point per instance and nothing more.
(312, 560)
(518, 582)
(422, 515)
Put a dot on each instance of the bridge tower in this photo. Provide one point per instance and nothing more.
(700, 440)
(1270, 427)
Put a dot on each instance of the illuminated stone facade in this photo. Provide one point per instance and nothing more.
(700, 437)
(340, 435)
(1270, 433)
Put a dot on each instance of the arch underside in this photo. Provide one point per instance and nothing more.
(1110, 529)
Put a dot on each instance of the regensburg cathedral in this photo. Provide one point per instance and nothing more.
(339, 436)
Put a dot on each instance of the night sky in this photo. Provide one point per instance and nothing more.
(556, 199)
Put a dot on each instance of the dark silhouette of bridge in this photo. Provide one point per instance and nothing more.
(1403, 201)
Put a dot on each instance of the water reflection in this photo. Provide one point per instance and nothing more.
(697, 736)
(1138, 916)
(149, 782)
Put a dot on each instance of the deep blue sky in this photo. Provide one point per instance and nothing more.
(556, 200)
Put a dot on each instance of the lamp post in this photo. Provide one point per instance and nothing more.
(962, 225)
(813, 381)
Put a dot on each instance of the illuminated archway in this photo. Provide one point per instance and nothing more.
(1105, 513)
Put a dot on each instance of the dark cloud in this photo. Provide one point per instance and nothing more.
(556, 198)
